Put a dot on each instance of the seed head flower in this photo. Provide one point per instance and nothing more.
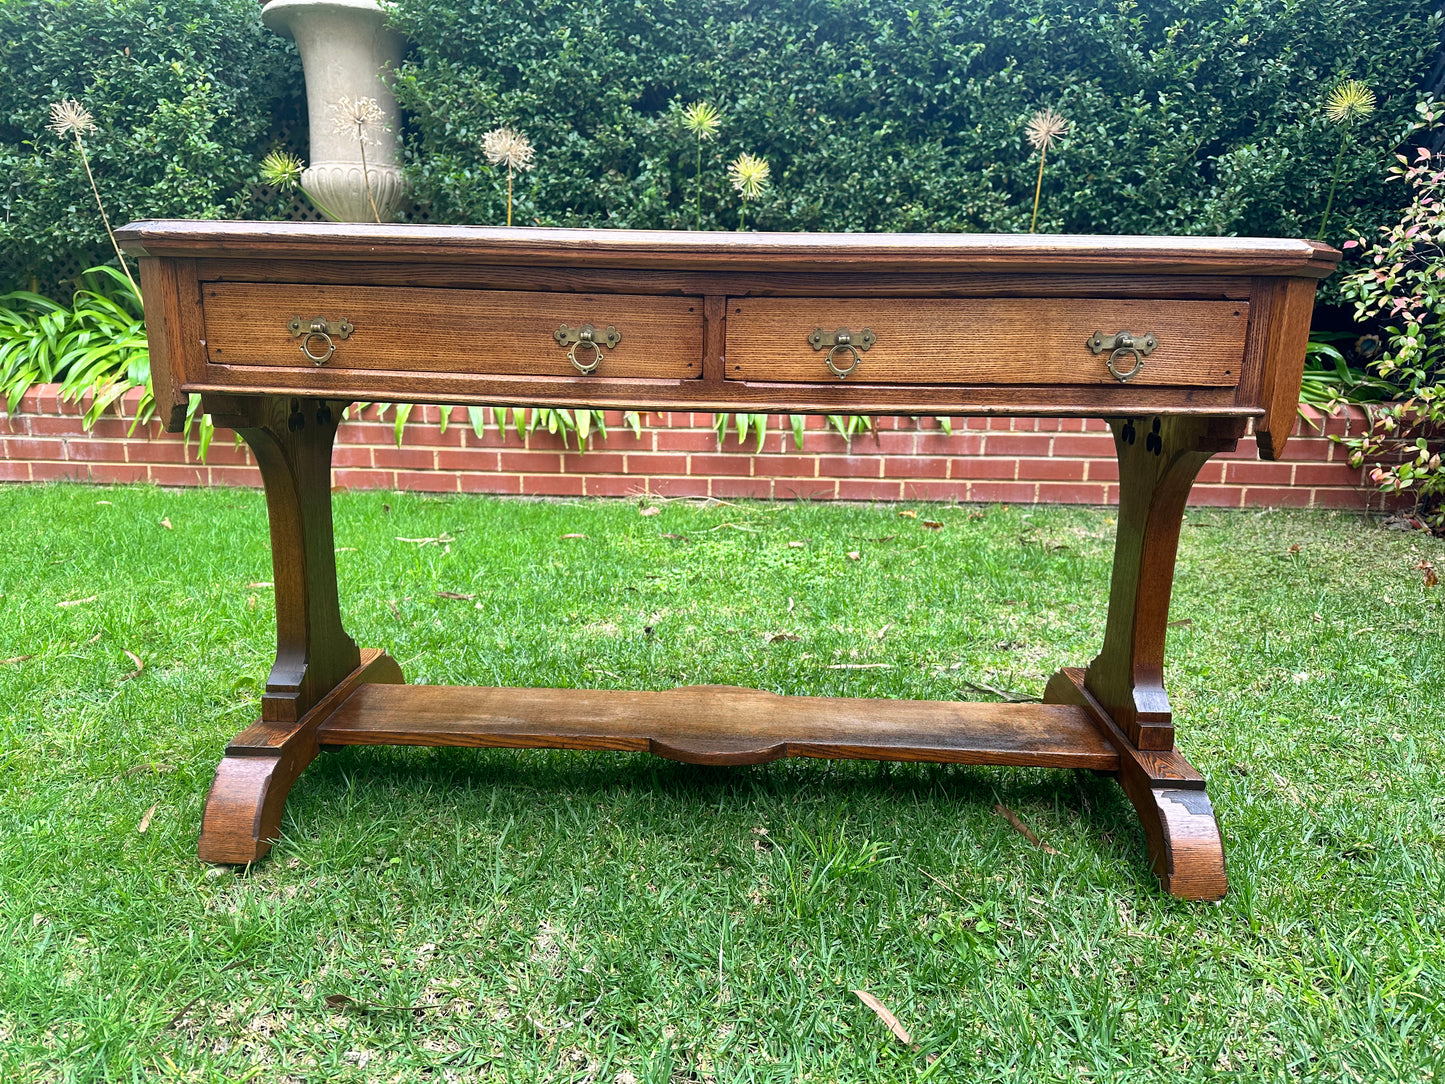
(749, 175)
(360, 118)
(702, 119)
(281, 169)
(1044, 127)
(505, 147)
(1344, 105)
(70, 117)
(1348, 102)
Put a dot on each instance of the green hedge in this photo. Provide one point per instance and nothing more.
(186, 92)
(1193, 116)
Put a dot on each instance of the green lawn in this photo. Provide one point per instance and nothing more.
(577, 917)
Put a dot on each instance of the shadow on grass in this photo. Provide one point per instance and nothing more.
(655, 791)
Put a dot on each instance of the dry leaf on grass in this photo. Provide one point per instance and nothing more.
(574, 536)
(260, 584)
(884, 631)
(139, 666)
(102, 502)
(860, 666)
(881, 1011)
(854, 555)
(1023, 829)
(907, 514)
(145, 822)
(1431, 576)
(776, 637)
(394, 608)
(456, 595)
(650, 510)
(14, 659)
(931, 524)
(76, 601)
(1181, 624)
(796, 545)
(166, 523)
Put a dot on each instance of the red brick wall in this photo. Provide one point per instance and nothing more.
(1000, 459)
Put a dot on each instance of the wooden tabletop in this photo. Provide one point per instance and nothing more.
(663, 249)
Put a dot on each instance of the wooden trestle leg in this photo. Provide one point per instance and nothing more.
(317, 664)
(1123, 688)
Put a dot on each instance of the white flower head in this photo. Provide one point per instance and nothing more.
(70, 117)
(362, 118)
(506, 147)
(1044, 127)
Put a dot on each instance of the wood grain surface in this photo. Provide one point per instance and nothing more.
(681, 282)
(1186, 850)
(986, 340)
(867, 252)
(458, 331)
(1158, 462)
(720, 321)
(837, 397)
(243, 808)
(712, 724)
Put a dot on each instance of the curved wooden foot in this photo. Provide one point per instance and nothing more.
(1184, 845)
(243, 809)
(1185, 849)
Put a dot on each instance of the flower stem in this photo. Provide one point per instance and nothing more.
(1038, 188)
(1339, 161)
(509, 195)
(366, 177)
(699, 182)
(742, 216)
(103, 217)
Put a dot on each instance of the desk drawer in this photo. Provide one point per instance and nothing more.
(984, 341)
(488, 332)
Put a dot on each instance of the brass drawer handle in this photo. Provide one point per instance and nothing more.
(584, 336)
(842, 339)
(309, 329)
(1137, 347)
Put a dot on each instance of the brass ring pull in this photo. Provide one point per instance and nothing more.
(596, 355)
(318, 359)
(841, 373)
(307, 328)
(1114, 363)
(842, 339)
(1124, 343)
(587, 335)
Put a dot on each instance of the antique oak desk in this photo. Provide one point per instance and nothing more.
(1178, 342)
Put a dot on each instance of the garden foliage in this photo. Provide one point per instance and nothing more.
(188, 95)
(1402, 284)
(1191, 116)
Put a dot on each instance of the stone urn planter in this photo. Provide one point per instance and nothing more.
(344, 47)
